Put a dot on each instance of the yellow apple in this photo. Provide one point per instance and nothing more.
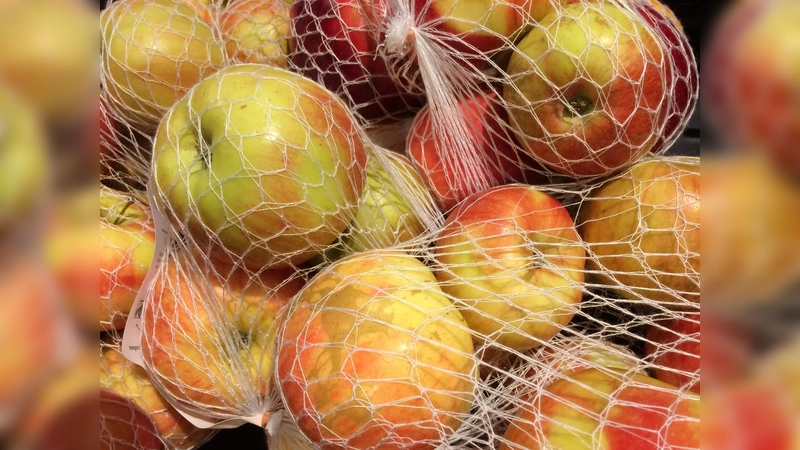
(257, 31)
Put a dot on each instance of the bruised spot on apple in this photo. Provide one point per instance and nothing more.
(605, 408)
(374, 355)
(643, 232)
(587, 91)
(201, 326)
(512, 259)
(260, 165)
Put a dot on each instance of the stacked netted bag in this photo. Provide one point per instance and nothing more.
(511, 281)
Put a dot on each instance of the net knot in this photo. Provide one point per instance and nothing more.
(400, 34)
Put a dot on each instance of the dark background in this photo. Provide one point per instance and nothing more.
(696, 25)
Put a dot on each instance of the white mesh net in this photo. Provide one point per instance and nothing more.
(525, 276)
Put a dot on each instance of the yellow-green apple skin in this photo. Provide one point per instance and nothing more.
(132, 382)
(127, 246)
(606, 409)
(23, 159)
(642, 229)
(154, 51)
(260, 166)
(257, 31)
(386, 216)
(207, 332)
(513, 260)
(48, 55)
(587, 89)
(373, 355)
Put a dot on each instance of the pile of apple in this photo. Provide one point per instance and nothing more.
(295, 275)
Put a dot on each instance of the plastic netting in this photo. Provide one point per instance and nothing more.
(429, 224)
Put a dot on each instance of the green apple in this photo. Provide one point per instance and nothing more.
(386, 216)
(259, 166)
(154, 51)
(512, 259)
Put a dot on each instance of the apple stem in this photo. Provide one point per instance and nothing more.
(577, 107)
(265, 419)
(121, 214)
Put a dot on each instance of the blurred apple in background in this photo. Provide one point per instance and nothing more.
(48, 55)
(154, 51)
(512, 259)
(259, 166)
(127, 247)
(373, 354)
(674, 345)
(643, 232)
(455, 166)
(589, 407)
(208, 332)
(132, 382)
(24, 163)
(752, 82)
(257, 31)
(338, 43)
(587, 89)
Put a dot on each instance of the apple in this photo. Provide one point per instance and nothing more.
(685, 88)
(124, 426)
(606, 409)
(127, 246)
(511, 258)
(258, 32)
(23, 160)
(642, 229)
(259, 166)
(154, 51)
(48, 56)
(372, 354)
(389, 213)
(207, 333)
(29, 327)
(461, 155)
(588, 89)
(125, 378)
(570, 355)
(674, 345)
(752, 81)
(338, 43)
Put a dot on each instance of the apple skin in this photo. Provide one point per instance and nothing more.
(643, 232)
(674, 345)
(512, 258)
(615, 110)
(386, 217)
(373, 355)
(277, 151)
(127, 246)
(338, 44)
(154, 51)
(131, 381)
(124, 426)
(257, 32)
(752, 82)
(606, 409)
(436, 155)
(205, 323)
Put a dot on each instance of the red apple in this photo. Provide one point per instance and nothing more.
(606, 409)
(643, 231)
(454, 166)
(124, 426)
(127, 245)
(512, 259)
(685, 88)
(207, 333)
(588, 89)
(337, 43)
(674, 345)
(373, 355)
